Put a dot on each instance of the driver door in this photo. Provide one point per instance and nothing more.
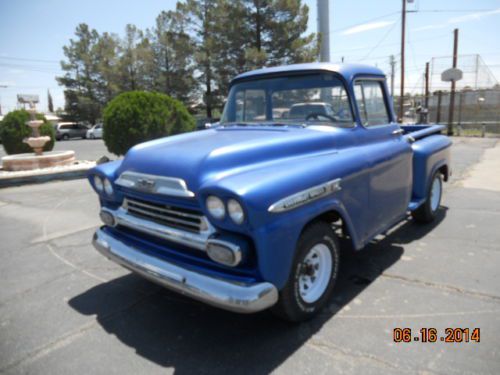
(388, 156)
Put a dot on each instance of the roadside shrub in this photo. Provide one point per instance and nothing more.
(138, 116)
(13, 130)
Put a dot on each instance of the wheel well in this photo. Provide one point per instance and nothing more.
(444, 171)
(335, 219)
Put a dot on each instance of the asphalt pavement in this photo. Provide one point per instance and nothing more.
(65, 309)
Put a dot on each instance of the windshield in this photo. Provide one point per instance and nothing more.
(304, 100)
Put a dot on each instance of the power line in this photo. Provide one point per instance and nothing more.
(453, 10)
(27, 59)
(381, 40)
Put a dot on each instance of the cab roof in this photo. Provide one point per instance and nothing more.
(348, 71)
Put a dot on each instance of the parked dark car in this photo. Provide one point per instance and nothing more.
(67, 130)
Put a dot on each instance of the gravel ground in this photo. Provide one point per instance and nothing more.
(65, 309)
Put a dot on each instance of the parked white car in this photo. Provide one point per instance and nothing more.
(95, 132)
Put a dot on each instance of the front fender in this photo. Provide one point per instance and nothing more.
(277, 240)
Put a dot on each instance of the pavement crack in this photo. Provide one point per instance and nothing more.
(325, 347)
(69, 337)
(446, 287)
(24, 292)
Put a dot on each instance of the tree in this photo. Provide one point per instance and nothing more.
(81, 69)
(50, 104)
(278, 27)
(201, 15)
(230, 42)
(173, 54)
(136, 61)
(191, 53)
(107, 80)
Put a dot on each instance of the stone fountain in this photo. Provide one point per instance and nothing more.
(30, 161)
(36, 142)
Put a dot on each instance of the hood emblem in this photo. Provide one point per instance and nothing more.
(147, 184)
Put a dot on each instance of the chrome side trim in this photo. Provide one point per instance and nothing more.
(305, 196)
(149, 183)
(232, 296)
(195, 240)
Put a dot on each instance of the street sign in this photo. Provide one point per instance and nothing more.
(27, 99)
(451, 75)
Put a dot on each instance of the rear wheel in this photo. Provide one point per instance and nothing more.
(65, 137)
(427, 212)
(313, 274)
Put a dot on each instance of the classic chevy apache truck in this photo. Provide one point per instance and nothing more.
(241, 216)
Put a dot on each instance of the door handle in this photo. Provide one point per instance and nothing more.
(398, 132)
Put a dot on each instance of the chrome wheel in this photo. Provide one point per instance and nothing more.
(436, 193)
(316, 273)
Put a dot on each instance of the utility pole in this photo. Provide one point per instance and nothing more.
(452, 93)
(426, 85)
(392, 61)
(402, 91)
(324, 29)
(426, 93)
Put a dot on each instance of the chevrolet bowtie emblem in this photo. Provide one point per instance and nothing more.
(145, 184)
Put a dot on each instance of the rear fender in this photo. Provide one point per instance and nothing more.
(429, 155)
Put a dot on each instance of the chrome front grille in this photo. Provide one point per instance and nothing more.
(170, 216)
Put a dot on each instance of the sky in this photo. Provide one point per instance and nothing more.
(33, 33)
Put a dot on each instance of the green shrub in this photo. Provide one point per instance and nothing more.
(13, 130)
(137, 116)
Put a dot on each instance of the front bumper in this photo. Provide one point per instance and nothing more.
(236, 297)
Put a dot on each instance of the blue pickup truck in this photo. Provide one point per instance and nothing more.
(241, 216)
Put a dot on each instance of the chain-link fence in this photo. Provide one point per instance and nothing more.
(477, 98)
(476, 112)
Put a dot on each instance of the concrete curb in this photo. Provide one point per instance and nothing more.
(37, 178)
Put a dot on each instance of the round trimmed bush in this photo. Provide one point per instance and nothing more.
(13, 130)
(138, 116)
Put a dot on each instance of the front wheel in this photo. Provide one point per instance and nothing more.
(427, 212)
(313, 275)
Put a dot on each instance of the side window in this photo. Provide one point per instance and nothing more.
(371, 104)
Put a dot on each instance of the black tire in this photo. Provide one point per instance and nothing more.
(65, 137)
(426, 213)
(291, 306)
(92, 136)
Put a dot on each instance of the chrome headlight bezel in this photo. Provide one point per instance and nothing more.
(98, 183)
(108, 187)
(235, 211)
(215, 207)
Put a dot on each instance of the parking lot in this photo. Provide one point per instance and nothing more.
(65, 309)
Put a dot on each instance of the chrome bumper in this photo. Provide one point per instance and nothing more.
(236, 297)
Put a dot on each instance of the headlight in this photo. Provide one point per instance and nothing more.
(98, 184)
(216, 207)
(235, 211)
(108, 188)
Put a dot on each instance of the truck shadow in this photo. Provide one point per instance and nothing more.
(176, 332)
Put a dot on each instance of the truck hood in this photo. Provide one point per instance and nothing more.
(217, 153)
